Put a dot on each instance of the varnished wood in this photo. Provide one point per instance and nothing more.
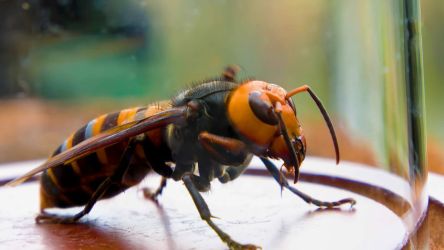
(250, 209)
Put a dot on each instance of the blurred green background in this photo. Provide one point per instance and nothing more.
(150, 48)
(113, 53)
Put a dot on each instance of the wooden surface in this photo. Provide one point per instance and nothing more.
(250, 209)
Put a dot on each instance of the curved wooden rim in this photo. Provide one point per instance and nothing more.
(390, 199)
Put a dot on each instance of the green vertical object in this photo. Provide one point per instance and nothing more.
(415, 117)
(415, 89)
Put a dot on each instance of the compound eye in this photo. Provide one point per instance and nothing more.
(262, 109)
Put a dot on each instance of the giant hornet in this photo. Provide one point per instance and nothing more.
(209, 131)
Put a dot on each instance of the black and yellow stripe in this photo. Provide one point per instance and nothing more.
(74, 183)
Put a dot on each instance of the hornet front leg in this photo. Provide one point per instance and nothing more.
(228, 151)
(280, 178)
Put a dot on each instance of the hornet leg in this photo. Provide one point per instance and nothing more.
(230, 73)
(225, 150)
(147, 193)
(284, 183)
(116, 178)
(228, 151)
(232, 173)
(205, 214)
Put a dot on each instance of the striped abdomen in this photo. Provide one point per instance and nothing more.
(73, 184)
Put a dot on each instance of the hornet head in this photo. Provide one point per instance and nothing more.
(265, 117)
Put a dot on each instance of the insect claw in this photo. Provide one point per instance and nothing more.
(296, 177)
(282, 181)
(352, 202)
(215, 217)
(282, 174)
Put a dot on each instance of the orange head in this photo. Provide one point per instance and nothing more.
(264, 115)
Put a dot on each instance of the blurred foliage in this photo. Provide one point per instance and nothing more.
(154, 48)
